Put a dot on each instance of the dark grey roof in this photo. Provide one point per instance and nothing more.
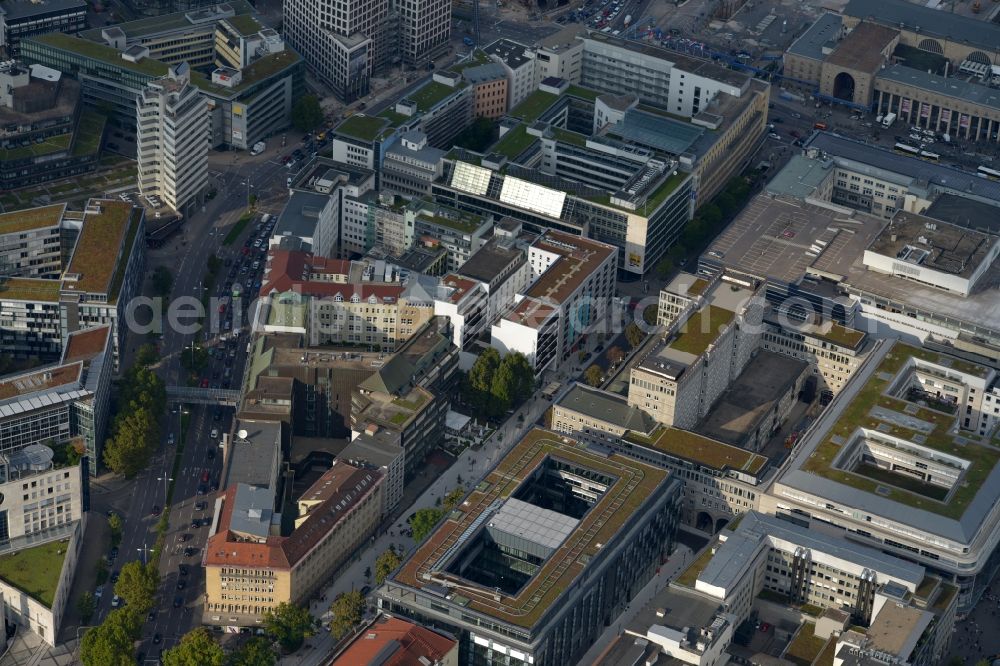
(904, 15)
(964, 212)
(380, 449)
(406, 367)
(810, 43)
(881, 158)
(254, 459)
(607, 407)
(19, 9)
(481, 73)
(427, 154)
(509, 51)
(301, 214)
(659, 132)
(952, 87)
(734, 555)
(253, 508)
(491, 260)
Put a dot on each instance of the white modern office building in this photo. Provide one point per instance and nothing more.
(173, 139)
(337, 39)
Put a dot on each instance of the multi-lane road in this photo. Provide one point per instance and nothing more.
(178, 610)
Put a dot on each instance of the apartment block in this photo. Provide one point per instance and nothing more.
(252, 565)
(570, 289)
(461, 233)
(339, 301)
(408, 395)
(713, 327)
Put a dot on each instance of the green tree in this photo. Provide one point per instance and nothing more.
(616, 355)
(385, 564)
(85, 606)
(255, 652)
(664, 268)
(162, 281)
(453, 497)
(634, 335)
(347, 609)
(214, 264)
(116, 525)
(423, 521)
(289, 625)
(137, 583)
(197, 648)
(594, 375)
(306, 113)
(111, 642)
(480, 378)
(128, 450)
(523, 377)
(501, 390)
(146, 355)
(650, 313)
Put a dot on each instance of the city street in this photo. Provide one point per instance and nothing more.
(187, 257)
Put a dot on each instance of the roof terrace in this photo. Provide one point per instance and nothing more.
(630, 484)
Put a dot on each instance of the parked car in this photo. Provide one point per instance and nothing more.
(156, 510)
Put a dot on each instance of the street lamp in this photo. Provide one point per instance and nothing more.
(166, 480)
(145, 550)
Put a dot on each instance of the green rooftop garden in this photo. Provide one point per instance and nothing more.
(514, 142)
(465, 223)
(395, 119)
(476, 59)
(635, 484)
(362, 127)
(31, 218)
(566, 136)
(101, 52)
(703, 450)
(245, 24)
(34, 289)
(89, 132)
(583, 93)
(664, 190)
(856, 414)
(839, 335)
(702, 329)
(698, 287)
(688, 577)
(35, 571)
(434, 92)
(259, 70)
(51, 145)
(806, 645)
(533, 106)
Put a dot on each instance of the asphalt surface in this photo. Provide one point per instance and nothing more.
(233, 176)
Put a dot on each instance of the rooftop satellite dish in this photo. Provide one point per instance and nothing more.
(242, 434)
